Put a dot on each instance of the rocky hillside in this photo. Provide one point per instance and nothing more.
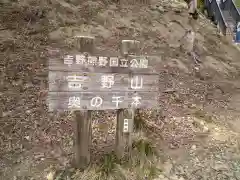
(197, 129)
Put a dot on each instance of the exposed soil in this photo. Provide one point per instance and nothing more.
(198, 118)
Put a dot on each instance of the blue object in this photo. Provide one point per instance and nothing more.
(237, 39)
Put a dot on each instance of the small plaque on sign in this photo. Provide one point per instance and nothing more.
(127, 125)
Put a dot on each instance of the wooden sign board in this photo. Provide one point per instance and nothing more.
(81, 81)
(101, 100)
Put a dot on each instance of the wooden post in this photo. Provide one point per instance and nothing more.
(131, 47)
(83, 138)
(83, 119)
(120, 141)
(124, 139)
(85, 43)
(130, 114)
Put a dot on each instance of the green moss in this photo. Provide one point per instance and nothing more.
(200, 5)
(237, 3)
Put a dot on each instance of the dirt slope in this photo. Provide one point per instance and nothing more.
(199, 120)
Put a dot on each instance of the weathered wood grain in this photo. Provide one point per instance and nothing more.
(83, 118)
(130, 47)
(120, 138)
(85, 43)
(91, 64)
(60, 100)
(83, 138)
(58, 81)
(123, 140)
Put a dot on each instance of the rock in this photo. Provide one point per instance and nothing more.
(161, 176)
(28, 111)
(6, 113)
(174, 177)
(205, 129)
(181, 178)
(56, 35)
(187, 41)
(27, 138)
(39, 156)
(158, 8)
(194, 147)
(161, 9)
(167, 167)
(202, 123)
(169, 90)
(220, 166)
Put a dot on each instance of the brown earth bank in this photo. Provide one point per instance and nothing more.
(196, 131)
